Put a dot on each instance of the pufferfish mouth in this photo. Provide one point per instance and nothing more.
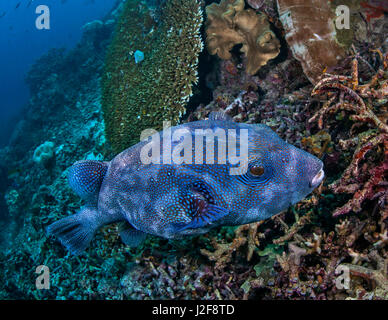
(316, 181)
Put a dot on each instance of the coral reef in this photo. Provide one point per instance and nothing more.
(311, 35)
(141, 96)
(302, 253)
(229, 24)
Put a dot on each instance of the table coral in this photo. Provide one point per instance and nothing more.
(141, 96)
(228, 24)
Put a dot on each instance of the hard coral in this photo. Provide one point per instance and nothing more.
(141, 96)
(311, 35)
(44, 153)
(223, 251)
(367, 182)
(228, 24)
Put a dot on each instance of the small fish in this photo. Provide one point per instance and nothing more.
(139, 56)
(29, 3)
(18, 5)
(2, 14)
(178, 200)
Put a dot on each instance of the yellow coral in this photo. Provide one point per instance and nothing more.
(228, 24)
(318, 144)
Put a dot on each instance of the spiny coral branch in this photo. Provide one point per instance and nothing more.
(346, 94)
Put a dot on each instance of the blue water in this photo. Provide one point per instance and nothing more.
(22, 43)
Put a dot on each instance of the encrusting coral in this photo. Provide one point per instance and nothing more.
(141, 96)
(228, 24)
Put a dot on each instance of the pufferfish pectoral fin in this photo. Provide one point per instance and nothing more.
(131, 236)
(204, 216)
(85, 178)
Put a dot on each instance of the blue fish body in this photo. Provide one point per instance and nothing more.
(176, 200)
(139, 56)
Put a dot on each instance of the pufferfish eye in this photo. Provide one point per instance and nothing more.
(257, 171)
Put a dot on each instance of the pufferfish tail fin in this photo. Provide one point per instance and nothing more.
(76, 231)
(85, 178)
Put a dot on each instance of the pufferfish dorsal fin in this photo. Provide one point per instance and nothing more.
(220, 116)
(85, 178)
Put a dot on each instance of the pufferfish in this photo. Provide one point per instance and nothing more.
(178, 200)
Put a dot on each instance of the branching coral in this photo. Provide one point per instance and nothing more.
(228, 24)
(345, 93)
(376, 277)
(142, 96)
(223, 251)
(252, 236)
(294, 229)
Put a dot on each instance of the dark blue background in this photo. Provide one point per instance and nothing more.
(21, 44)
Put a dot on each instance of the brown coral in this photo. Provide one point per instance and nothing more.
(365, 183)
(228, 24)
(223, 251)
(311, 35)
